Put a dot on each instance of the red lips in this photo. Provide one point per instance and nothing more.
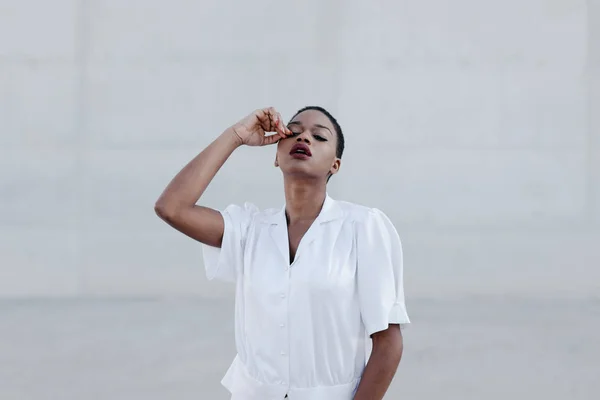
(301, 148)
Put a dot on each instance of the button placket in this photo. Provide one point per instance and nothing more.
(285, 343)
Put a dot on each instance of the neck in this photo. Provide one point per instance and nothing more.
(303, 199)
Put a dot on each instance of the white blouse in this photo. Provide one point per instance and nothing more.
(304, 329)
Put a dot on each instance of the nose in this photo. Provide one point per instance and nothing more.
(303, 137)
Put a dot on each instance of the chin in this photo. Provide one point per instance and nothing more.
(300, 172)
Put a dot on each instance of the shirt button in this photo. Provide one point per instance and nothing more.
(281, 325)
(283, 353)
(283, 295)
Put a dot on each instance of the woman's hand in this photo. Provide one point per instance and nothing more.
(252, 130)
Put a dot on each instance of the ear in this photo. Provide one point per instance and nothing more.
(276, 163)
(335, 167)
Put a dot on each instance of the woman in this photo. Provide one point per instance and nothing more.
(318, 282)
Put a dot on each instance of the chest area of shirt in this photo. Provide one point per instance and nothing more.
(295, 234)
(324, 255)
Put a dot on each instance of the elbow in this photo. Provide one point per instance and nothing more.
(166, 212)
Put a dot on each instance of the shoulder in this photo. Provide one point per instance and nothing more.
(251, 213)
(361, 214)
(241, 209)
(375, 234)
(369, 222)
(266, 215)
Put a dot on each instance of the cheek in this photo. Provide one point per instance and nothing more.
(282, 151)
(326, 158)
(280, 144)
(328, 151)
(285, 145)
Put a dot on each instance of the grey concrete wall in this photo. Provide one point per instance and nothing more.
(594, 108)
(473, 124)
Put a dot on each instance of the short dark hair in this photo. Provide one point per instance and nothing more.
(336, 125)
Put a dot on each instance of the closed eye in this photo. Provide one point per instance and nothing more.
(295, 130)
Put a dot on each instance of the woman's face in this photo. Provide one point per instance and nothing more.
(311, 151)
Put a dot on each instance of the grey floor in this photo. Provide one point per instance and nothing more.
(475, 348)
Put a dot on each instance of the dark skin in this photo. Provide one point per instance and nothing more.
(305, 182)
(382, 365)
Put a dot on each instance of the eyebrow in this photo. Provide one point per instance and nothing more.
(316, 125)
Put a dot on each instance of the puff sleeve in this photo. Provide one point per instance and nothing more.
(379, 273)
(226, 263)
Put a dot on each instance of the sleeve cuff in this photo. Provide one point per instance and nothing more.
(398, 315)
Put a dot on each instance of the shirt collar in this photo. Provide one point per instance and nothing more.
(279, 230)
(329, 212)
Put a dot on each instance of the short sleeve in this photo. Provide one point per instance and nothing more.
(226, 263)
(380, 273)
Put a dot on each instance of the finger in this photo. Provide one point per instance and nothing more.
(272, 119)
(282, 126)
(277, 123)
(265, 119)
(269, 140)
(286, 130)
